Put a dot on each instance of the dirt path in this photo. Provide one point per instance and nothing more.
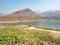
(51, 32)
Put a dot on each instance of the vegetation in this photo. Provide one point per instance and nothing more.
(19, 35)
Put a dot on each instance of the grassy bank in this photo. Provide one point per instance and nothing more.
(18, 35)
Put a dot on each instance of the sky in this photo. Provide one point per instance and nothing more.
(9, 6)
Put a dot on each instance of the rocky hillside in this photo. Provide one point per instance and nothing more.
(22, 15)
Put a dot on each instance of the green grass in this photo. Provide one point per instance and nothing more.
(12, 35)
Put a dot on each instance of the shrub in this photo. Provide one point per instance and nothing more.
(8, 38)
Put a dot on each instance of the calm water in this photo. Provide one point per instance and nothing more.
(54, 24)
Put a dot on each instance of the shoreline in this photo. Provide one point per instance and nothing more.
(18, 21)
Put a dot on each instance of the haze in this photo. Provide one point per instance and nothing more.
(9, 6)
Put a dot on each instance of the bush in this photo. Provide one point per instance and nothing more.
(8, 38)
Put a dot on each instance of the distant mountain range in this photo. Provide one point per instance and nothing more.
(51, 14)
(22, 15)
(1, 14)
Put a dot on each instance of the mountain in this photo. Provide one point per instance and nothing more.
(51, 14)
(1, 14)
(22, 15)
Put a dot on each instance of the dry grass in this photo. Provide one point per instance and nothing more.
(18, 35)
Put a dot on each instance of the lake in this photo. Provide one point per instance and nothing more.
(54, 24)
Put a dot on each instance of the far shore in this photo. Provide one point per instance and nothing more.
(18, 21)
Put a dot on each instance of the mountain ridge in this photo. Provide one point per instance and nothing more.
(51, 14)
(25, 14)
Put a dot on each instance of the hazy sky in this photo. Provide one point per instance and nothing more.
(8, 6)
